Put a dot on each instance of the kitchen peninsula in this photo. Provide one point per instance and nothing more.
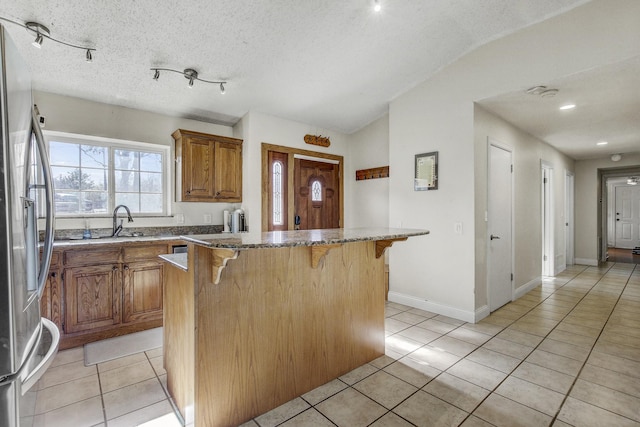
(255, 319)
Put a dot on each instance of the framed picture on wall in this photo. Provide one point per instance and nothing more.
(426, 172)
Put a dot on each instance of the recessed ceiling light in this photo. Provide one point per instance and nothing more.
(602, 143)
(377, 6)
(568, 107)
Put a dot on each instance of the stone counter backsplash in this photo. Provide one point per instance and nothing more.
(146, 231)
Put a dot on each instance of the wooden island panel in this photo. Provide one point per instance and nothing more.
(275, 327)
(254, 320)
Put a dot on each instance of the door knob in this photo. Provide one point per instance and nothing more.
(494, 237)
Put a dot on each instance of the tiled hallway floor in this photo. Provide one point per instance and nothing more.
(566, 353)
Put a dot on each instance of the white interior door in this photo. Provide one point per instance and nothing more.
(500, 218)
(547, 215)
(627, 222)
(568, 211)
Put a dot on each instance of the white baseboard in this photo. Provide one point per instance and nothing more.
(531, 284)
(422, 304)
(560, 269)
(482, 312)
(586, 261)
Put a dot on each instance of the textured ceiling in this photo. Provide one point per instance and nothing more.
(330, 63)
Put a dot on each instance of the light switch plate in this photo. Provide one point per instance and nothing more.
(180, 218)
(207, 218)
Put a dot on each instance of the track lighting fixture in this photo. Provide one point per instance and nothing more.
(189, 74)
(41, 32)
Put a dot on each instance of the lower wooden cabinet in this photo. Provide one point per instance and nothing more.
(97, 293)
(92, 297)
(142, 292)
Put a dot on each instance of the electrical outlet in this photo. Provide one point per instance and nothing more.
(207, 218)
(180, 218)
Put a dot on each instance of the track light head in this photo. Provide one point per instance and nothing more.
(191, 75)
(38, 41)
(156, 75)
(89, 56)
(222, 90)
(39, 30)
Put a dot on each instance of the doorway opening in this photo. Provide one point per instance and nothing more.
(619, 222)
(301, 189)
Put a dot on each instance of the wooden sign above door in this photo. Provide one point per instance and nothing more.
(317, 140)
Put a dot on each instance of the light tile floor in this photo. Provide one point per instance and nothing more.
(566, 353)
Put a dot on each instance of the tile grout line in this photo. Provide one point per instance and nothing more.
(591, 351)
(538, 345)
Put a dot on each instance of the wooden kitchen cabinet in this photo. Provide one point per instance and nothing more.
(105, 290)
(50, 302)
(208, 167)
(92, 297)
(142, 292)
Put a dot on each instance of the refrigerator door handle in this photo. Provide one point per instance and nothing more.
(48, 192)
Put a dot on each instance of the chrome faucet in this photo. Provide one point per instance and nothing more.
(117, 228)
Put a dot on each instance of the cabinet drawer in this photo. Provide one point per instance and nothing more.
(93, 256)
(144, 252)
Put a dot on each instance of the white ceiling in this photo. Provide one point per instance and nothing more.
(335, 64)
(607, 109)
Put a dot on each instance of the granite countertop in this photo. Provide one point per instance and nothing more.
(281, 239)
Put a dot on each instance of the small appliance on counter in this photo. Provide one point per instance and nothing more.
(237, 221)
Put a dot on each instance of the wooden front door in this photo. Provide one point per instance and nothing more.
(317, 198)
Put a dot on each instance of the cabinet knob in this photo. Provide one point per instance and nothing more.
(126, 267)
(54, 274)
(217, 194)
(114, 268)
(188, 191)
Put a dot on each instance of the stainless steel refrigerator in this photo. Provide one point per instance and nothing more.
(28, 342)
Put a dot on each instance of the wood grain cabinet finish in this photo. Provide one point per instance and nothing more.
(142, 292)
(98, 293)
(91, 297)
(208, 167)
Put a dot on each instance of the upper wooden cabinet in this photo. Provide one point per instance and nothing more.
(208, 167)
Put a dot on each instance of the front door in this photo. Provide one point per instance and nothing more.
(627, 225)
(317, 198)
(499, 227)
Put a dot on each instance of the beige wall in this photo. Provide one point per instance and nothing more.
(587, 206)
(256, 128)
(528, 153)
(369, 148)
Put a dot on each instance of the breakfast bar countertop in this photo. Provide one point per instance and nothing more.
(283, 239)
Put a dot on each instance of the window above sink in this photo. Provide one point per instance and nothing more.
(92, 175)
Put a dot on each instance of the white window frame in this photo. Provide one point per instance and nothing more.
(164, 150)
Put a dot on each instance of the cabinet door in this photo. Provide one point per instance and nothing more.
(50, 301)
(197, 169)
(228, 171)
(92, 297)
(142, 291)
